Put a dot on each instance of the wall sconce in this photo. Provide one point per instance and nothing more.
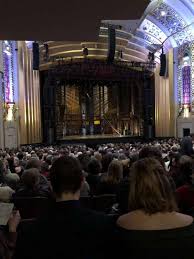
(186, 111)
(10, 109)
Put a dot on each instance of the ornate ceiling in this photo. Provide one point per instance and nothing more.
(167, 23)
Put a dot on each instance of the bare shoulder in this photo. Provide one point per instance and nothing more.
(122, 220)
(127, 220)
(184, 219)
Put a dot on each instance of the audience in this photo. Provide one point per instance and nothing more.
(67, 230)
(153, 228)
(151, 182)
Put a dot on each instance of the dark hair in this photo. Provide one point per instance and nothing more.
(20, 155)
(84, 159)
(150, 189)
(153, 152)
(186, 168)
(33, 163)
(66, 175)
(94, 167)
(106, 160)
(150, 151)
(30, 178)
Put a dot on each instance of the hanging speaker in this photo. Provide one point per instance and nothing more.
(162, 64)
(111, 44)
(35, 50)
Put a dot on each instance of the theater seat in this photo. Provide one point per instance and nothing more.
(104, 202)
(31, 207)
(86, 202)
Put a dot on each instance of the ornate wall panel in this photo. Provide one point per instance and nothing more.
(29, 97)
(165, 102)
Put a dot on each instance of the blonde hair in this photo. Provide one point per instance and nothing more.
(115, 172)
(150, 189)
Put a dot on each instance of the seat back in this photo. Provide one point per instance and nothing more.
(104, 202)
(86, 202)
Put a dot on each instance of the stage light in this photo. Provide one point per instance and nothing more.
(186, 111)
(163, 13)
(10, 116)
(7, 52)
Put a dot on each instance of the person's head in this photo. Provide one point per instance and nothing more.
(84, 159)
(44, 167)
(94, 167)
(49, 159)
(98, 156)
(20, 155)
(33, 163)
(40, 155)
(66, 176)
(186, 168)
(174, 159)
(106, 160)
(151, 151)
(150, 189)
(192, 136)
(30, 178)
(115, 172)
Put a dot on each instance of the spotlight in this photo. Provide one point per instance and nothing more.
(163, 13)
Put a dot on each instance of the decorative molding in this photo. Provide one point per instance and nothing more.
(174, 22)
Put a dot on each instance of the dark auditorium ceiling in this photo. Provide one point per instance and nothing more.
(72, 20)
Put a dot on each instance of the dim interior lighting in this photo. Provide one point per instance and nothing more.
(185, 63)
(163, 13)
(186, 111)
(186, 58)
(10, 112)
(7, 52)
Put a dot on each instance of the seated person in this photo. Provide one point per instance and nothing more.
(67, 230)
(30, 186)
(94, 174)
(6, 193)
(110, 183)
(43, 182)
(153, 228)
(8, 237)
(185, 193)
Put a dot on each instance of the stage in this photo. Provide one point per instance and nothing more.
(98, 139)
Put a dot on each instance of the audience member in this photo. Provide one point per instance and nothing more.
(30, 185)
(8, 237)
(185, 193)
(110, 183)
(153, 228)
(67, 230)
(94, 174)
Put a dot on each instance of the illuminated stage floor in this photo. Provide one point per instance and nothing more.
(98, 139)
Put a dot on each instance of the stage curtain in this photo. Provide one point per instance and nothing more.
(165, 101)
(29, 97)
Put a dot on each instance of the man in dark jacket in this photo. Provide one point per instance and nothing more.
(67, 230)
(187, 145)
